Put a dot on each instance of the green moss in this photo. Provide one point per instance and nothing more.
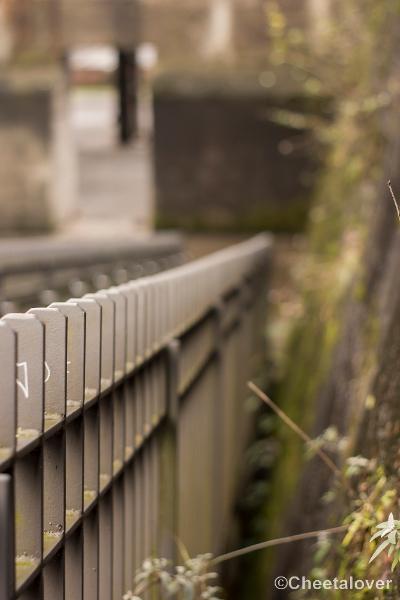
(290, 219)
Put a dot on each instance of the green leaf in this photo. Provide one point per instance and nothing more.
(379, 549)
(395, 563)
(376, 535)
(392, 537)
(386, 531)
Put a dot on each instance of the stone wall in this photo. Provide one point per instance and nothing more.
(223, 163)
(37, 170)
(44, 29)
(192, 34)
(186, 31)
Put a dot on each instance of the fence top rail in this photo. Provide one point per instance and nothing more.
(58, 360)
(25, 256)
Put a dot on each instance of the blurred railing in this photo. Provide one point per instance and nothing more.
(122, 421)
(45, 270)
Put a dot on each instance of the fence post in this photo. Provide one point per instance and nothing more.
(168, 509)
(218, 474)
(6, 538)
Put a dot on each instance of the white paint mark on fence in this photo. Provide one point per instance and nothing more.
(48, 372)
(24, 385)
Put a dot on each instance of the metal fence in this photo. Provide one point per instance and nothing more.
(122, 423)
(44, 270)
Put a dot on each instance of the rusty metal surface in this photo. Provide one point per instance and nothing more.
(122, 423)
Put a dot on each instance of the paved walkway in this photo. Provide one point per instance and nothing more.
(116, 189)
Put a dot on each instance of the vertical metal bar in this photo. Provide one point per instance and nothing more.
(106, 440)
(92, 312)
(55, 338)
(53, 579)
(28, 506)
(139, 537)
(91, 456)
(106, 547)
(155, 494)
(75, 370)
(91, 556)
(8, 372)
(129, 527)
(129, 292)
(139, 408)
(7, 551)
(28, 470)
(30, 375)
(120, 343)
(119, 430)
(218, 476)
(167, 448)
(146, 504)
(74, 472)
(107, 338)
(118, 539)
(129, 425)
(54, 493)
(74, 566)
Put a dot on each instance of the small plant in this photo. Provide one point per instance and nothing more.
(190, 581)
(370, 494)
(390, 530)
(329, 440)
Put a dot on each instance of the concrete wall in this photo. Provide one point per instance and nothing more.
(194, 33)
(37, 170)
(44, 29)
(223, 163)
(186, 31)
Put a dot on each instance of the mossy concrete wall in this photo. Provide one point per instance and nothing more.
(342, 362)
(223, 163)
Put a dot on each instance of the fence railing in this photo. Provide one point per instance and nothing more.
(122, 422)
(44, 270)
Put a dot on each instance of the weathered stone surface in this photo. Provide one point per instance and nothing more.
(186, 32)
(37, 170)
(223, 163)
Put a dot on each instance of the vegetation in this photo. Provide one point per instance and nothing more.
(328, 377)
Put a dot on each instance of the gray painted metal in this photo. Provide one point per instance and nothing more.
(8, 376)
(75, 358)
(46, 270)
(6, 538)
(100, 429)
(93, 320)
(107, 337)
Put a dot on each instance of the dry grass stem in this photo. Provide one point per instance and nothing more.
(294, 427)
(277, 542)
(394, 199)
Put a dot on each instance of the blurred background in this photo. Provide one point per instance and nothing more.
(220, 118)
(171, 107)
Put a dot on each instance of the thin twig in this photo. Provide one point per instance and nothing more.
(276, 542)
(389, 184)
(145, 585)
(302, 434)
